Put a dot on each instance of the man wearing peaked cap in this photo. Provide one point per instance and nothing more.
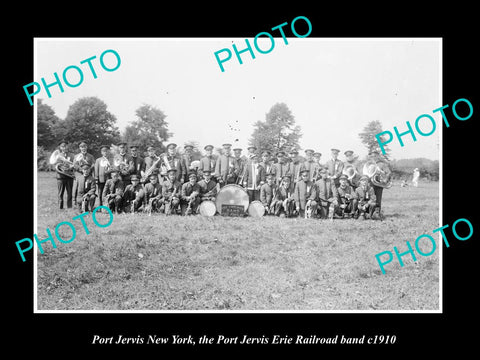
(351, 162)
(266, 163)
(253, 178)
(208, 187)
(295, 166)
(171, 190)
(310, 164)
(137, 160)
(267, 193)
(83, 157)
(170, 160)
(190, 195)
(113, 190)
(86, 189)
(239, 163)
(208, 162)
(326, 195)
(124, 163)
(186, 161)
(133, 195)
(226, 171)
(304, 194)
(281, 168)
(284, 200)
(347, 201)
(365, 195)
(335, 167)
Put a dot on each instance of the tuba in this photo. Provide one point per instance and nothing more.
(62, 165)
(379, 173)
(350, 171)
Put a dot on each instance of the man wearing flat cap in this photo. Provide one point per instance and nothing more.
(225, 169)
(334, 167)
(208, 162)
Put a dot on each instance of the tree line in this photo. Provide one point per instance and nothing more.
(88, 119)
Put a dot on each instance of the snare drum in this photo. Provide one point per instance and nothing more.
(207, 208)
(256, 209)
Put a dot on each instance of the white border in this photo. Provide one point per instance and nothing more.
(35, 200)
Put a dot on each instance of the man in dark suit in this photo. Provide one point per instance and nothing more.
(137, 161)
(123, 162)
(367, 200)
(310, 164)
(170, 161)
(82, 158)
(294, 166)
(113, 191)
(267, 193)
(208, 162)
(284, 200)
(305, 194)
(225, 170)
(281, 168)
(186, 160)
(335, 167)
(326, 195)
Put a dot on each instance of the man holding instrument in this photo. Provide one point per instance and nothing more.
(225, 170)
(207, 187)
(189, 197)
(171, 189)
(150, 164)
(208, 162)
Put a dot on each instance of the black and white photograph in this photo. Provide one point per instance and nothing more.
(297, 180)
(238, 187)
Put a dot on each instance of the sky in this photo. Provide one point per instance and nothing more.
(333, 86)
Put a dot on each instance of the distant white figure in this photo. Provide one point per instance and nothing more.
(416, 175)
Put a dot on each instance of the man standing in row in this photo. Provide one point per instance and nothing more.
(305, 194)
(64, 182)
(281, 168)
(208, 162)
(225, 170)
(335, 167)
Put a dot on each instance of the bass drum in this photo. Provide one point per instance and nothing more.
(232, 194)
(256, 209)
(207, 208)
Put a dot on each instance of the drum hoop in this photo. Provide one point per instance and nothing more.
(256, 204)
(228, 186)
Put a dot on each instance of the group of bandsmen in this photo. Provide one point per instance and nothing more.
(286, 184)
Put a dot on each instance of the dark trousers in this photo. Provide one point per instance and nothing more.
(62, 185)
(100, 187)
(253, 195)
(378, 194)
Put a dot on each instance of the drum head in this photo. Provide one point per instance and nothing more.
(256, 209)
(232, 195)
(207, 208)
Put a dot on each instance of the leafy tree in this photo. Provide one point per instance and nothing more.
(278, 131)
(370, 141)
(89, 120)
(46, 122)
(150, 129)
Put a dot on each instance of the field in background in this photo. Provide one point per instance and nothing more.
(198, 263)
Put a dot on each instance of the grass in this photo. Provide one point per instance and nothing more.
(220, 263)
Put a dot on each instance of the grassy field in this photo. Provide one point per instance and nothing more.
(198, 263)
